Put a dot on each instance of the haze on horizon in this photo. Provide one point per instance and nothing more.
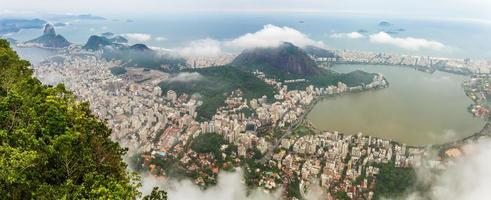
(474, 10)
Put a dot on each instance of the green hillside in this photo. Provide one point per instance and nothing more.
(215, 83)
(51, 146)
(287, 62)
(323, 79)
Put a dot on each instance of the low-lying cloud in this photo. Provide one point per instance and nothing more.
(352, 35)
(160, 39)
(467, 178)
(408, 43)
(272, 36)
(186, 77)
(140, 37)
(230, 186)
(204, 48)
(269, 36)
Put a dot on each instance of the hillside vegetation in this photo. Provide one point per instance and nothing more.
(51, 146)
(285, 62)
(288, 62)
(215, 83)
(138, 55)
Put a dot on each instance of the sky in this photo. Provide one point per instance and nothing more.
(459, 9)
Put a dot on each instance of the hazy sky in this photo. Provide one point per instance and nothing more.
(475, 9)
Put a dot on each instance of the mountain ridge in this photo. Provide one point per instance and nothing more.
(286, 58)
(50, 39)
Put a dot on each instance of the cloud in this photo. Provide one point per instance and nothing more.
(205, 47)
(465, 178)
(352, 35)
(140, 37)
(229, 186)
(160, 39)
(470, 177)
(186, 77)
(408, 43)
(272, 36)
(268, 36)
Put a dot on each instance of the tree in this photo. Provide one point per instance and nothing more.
(156, 194)
(51, 145)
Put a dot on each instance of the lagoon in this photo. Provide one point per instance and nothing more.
(417, 108)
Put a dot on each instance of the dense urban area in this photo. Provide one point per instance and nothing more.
(269, 138)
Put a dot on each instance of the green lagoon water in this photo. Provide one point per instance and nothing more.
(417, 108)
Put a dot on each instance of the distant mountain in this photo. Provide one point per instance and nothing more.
(138, 55)
(119, 39)
(75, 17)
(108, 34)
(286, 58)
(115, 38)
(15, 25)
(96, 42)
(90, 17)
(140, 47)
(59, 24)
(49, 30)
(50, 39)
(384, 23)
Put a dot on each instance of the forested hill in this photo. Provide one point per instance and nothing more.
(51, 146)
(284, 59)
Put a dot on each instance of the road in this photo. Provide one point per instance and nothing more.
(269, 153)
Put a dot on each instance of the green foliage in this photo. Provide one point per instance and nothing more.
(51, 146)
(288, 62)
(208, 143)
(393, 182)
(170, 166)
(293, 189)
(138, 55)
(254, 171)
(303, 130)
(322, 78)
(341, 196)
(215, 83)
(287, 58)
(156, 195)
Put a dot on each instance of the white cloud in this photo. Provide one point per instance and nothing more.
(186, 77)
(408, 43)
(140, 37)
(469, 179)
(272, 36)
(229, 186)
(160, 39)
(205, 47)
(465, 178)
(352, 35)
(268, 36)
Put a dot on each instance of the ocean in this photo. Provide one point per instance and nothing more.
(463, 39)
